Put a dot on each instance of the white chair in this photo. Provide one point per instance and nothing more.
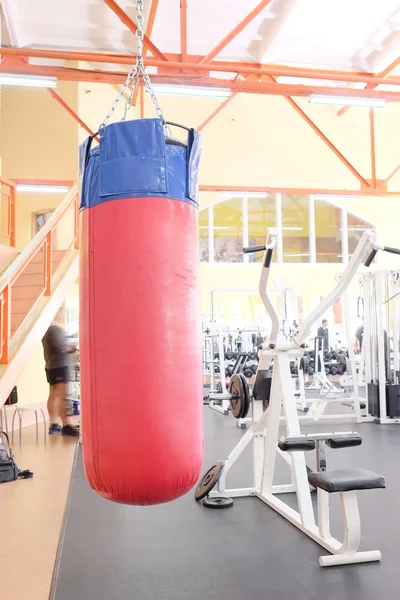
(19, 410)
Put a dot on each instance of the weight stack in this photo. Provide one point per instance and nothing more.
(392, 400)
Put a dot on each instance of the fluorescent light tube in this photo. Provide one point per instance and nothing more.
(292, 229)
(287, 255)
(51, 189)
(191, 91)
(347, 101)
(28, 80)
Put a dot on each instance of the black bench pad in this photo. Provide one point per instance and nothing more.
(344, 442)
(299, 444)
(346, 480)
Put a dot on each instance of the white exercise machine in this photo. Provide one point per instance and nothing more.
(269, 398)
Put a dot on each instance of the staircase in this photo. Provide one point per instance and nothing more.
(33, 288)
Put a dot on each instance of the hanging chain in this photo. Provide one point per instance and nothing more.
(132, 80)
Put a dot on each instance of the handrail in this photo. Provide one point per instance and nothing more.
(37, 241)
(42, 240)
(11, 197)
(6, 181)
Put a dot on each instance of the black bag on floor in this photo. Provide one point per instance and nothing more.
(9, 470)
(13, 397)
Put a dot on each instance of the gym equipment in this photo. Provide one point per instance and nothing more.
(380, 353)
(139, 281)
(209, 480)
(220, 502)
(239, 396)
(264, 435)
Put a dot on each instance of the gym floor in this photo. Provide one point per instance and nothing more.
(183, 551)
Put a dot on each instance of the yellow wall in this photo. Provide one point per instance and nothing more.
(254, 141)
(38, 137)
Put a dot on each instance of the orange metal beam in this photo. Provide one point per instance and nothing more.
(216, 111)
(276, 190)
(327, 141)
(133, 27)
(69, 74)
(392, 174)
(63, 182)
(184, 30)
(232, 34)
(390, 68)
(372, 143)
(382, 75)
(70, 111)
(244, 68)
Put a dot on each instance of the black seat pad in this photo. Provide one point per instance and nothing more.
(299, 444)
(346, 480)
(344, 442)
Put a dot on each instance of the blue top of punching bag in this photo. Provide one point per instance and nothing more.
(134, 159)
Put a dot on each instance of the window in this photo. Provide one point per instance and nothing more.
(295, 224)
(203, 235)
(261, 215)
(309, 229)
(328, 235)
(228, 231)
(355, 229)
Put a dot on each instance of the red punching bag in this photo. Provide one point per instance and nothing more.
(140, 333)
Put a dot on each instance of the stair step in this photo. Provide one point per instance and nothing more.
(58, 255)
(22, 306)
(25, 292)
(29, 279)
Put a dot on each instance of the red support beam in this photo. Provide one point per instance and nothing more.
(177, 66)
(382, 75)
(232, 34)
(341, 157)
(372, 144)
(184, 30)
(70, 111)
(250, 87)
(216, 111)
(147, 43)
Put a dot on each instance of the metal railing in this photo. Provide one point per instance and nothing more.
(41, 259)
(8, 193)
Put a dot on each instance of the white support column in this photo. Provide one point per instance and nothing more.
(311, 229)
(245, 223)
(381, 347)
(279, 242)
(210, 234)
(345, 236)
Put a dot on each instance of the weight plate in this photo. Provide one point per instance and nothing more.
(228, 356)
(230, 370)
(247, 372)
(253, 356)
(246, 403)
(237, 395)
(219, 502)
(209, 480)
(254, 368)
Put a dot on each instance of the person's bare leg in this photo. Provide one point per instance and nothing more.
(62, 389)
(52, 404)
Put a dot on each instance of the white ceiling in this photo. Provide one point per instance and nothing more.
(358, 34)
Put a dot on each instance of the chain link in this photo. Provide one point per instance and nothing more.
(132, 80)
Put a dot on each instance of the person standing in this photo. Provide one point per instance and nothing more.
(56, 354)
(324, 333)
(359, 337)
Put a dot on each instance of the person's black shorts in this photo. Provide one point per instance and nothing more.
(55, 376)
